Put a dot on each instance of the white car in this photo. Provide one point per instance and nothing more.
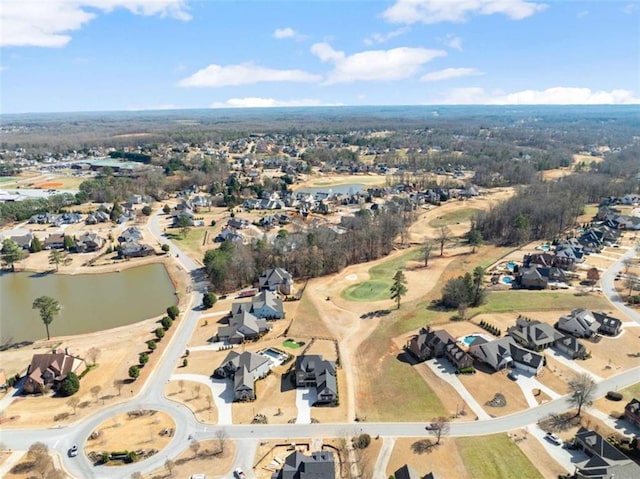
(73, 451)
(553, 438)
(238, 474)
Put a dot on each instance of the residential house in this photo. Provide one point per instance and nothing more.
(97, 217)
(89, 242)
(242, 327)
(276, 279)
(183, 217)
(428, 343)
(133, 249)
(532, 334)
(67, 219)
(23, 241)
(632, 412)
(42, 218)
(311, 371)
(537, 277)
(131, 234)
(229, 234)
(505, 352)
(320, 465)
(407, 472)
(265, 305)
(457, 356)
(47, 371)
(581, 323)
(605, 460)
(238, 223)
(244, 369)
(54, 241)
(570, 346)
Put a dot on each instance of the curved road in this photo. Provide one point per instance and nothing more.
(608, 286)
(152, 397)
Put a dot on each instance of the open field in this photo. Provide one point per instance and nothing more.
(208, 459)
(131, 433)
(195, 396)
(495, 457)
(460, 216)
(523, 300)
(322, 180)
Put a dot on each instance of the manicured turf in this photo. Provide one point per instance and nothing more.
(458, 216)
(291, 344)
(505, 301)
(377, 288)
(495, 457)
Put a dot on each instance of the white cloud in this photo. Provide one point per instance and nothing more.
(436, 11)
(550, 96)
(373, 65)
(281, 33)
(385, 37)
(259, 102)
(449, 73)
(244, 74)
(583, 13)
(454, 42)
(629, 8)
(48, 23)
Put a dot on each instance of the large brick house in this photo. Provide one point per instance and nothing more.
(47, 371)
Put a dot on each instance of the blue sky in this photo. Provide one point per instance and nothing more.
(90, 55)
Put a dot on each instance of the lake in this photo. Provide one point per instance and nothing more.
(90, 302)
(347, 188)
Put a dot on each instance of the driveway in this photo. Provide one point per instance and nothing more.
(572, 364)
(221, 390)
(446, 371)
(567, 458)
(305, 398)
(528, 382)
(383, 458)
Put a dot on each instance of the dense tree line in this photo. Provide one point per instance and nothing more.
(11, 211)
(305, 254)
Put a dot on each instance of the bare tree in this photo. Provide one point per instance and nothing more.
(593, 276)
(221, 436)
(181, 384)
(427, 249)
(95, 390)
(631, 281)
(56, 474)
(440, 426)
(195, 447)
(37, 449)
(73, 402)
(581, 390)
(170, 466)
(196, 389)
(444, 237)
(209, 401)
(627, 262)
(118, 384)
(136, 475)
(93, 354)
(43, 464)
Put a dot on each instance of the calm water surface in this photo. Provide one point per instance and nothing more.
(90, 302)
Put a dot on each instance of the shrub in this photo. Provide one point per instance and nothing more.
(159, 332)
(166, 209)
(469, 370)
(166, 322)
(208, 300)
(143, 358)
(151, 344)
(213, 222)
(362, 441)
(134, 372)
(146, 210)
(70, 385)
(185, 362)
(165, 247)
(173, 312)
(614, 396)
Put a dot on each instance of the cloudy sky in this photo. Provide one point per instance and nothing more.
(90, 55)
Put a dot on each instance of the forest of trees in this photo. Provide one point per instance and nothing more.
(316, 252)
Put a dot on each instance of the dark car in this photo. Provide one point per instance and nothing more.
(512, 375)
(73, 450)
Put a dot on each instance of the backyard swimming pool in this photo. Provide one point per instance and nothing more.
(276, 357)
(506, 280)
(511, 266)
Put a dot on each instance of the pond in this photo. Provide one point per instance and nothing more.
(90, 302)
(348, 188)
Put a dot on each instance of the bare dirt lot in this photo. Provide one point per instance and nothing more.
(207, 459)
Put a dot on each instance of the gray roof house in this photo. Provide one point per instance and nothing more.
(428, 343)
(533, 334)
(580, 323)
(89, 242)
(407, 472)
(130, 234)
(312, 371)
(505, 352)
(244, 368)
(54, 241)
(242, 327)
(133, 249)
(605, 460)
(24, 241)
(570, 346)
(276, 279)
(265, 305)
(320, 465)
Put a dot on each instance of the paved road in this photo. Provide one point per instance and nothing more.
(247, 436)
(608, 286)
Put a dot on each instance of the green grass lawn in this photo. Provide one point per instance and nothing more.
(505, 301)
(291, 344)
(454, 217)
(377, 288)
(495, 457)
(7, 179)
(192, 244)
(632, 391)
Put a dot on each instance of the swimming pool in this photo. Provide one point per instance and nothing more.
(506, 280)
(277, 357)
(469, 339)
(511, 266)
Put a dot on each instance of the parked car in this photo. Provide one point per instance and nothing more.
(73, 450)
(238, 474)
(553, 438)
(512, 375)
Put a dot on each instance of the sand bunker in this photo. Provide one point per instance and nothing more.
(351, 277)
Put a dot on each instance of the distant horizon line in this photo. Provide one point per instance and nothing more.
(322, 107)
